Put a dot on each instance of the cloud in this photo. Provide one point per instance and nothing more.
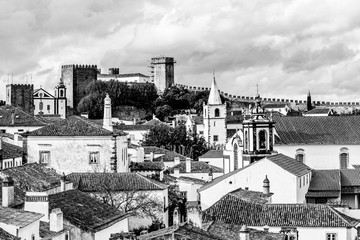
(287, 46)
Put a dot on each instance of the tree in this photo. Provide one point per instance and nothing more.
(162, 112)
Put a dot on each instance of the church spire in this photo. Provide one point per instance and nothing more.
(214, 96)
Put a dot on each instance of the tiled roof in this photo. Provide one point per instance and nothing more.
(185, 229)
(147, 166)
(213, 154)
(350, 177)
(323, 194)
(281, 160)
(231, 232)
(73, 126)
(251, 196)
(155, 122)
(18, 218)
(191, 180)
(325, 180)
(138, 127)
(168, 155)
(45, 232)
(99, 182)
(10, 136)
(232, 210)
(4, 235)
(10, 151)
(21, 118)
(30, 177)
(196, 167)
(318, 111)
(289, 164)
(319, 130)
(275, 105)
(85, 212)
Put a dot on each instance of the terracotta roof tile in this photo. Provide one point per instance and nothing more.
(289, 164)
(73, 126)
(318, 111)
(168, 155)
(213, 154)
(251, 196)
(85, 212)
(21, 118)
(191, 180)
(147, 166)
(7, 236)
(10, 151)
(98, 182)
(233, 210)
(319, 130)
(18, 218)
(196, 167)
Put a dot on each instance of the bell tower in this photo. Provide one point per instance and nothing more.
(214, 115)
(60, 98)
(258, 136)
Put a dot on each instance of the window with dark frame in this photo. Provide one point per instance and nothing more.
(216, 138)
(44, 157)
(331, 236)
(94, 157)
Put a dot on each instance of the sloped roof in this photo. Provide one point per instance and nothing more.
(21, 118)
(185, 229)
(73, 126)
(11, 151)
(137, 127)
(325, 180)
(196, 167)
(7, 236)
(18, 218)
(147, 166)
(43, 90)
(233, 210)
(99, 182)
(231, 232)
(45, 233)
(289, 164)
(155, 122)
(214, 96)
(85, 212)
(251, 196)
(318, 111)
(320, 130)
(213, 154)
(191, 180)
(168, 155)
(285, 162)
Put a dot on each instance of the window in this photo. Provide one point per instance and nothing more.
(201, 132)
(20, 130)
(48, 107)
(344, 158)
(300, 181)
(33, 237)
(217, 112)
(61, 93)
(216, 138)
(44, 157)
(246, 141)
(331, 236)
(300, 155)
(41, 105)
(2, 131)
(67, 236)
(262, 139)
(94, 157)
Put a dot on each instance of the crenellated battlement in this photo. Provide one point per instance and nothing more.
(19, 85)
(273, 100)
(79, 66)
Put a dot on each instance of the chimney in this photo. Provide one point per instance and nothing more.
(56, 220)
(16, 138)
(266, 228)
(107, 124)
(37, 202)
(13, 117)
(244, 233)
(176, 218)
(151, 156)
(62, 183)
(161, 178)
(7, 192)
(177, 172)
(176, 160)
(188, 165)
(266, 186)
(210, 174)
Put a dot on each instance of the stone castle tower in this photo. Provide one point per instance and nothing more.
(76, 78)
(21, 95)
(162, 72)
(214, 117)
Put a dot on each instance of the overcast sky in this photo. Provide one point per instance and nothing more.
(286, 46)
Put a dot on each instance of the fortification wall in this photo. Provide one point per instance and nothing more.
(21, 95)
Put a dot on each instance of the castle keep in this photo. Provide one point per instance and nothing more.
(21, 95)
(76, 78)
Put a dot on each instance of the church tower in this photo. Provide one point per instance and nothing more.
(308, 102)
(214, 113)
(258, 136)
(60, 99)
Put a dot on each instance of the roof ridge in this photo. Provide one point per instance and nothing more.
(147, 179)
(339, 214)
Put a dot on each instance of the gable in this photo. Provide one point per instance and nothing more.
(41, 93)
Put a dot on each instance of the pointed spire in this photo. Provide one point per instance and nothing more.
(214, 96)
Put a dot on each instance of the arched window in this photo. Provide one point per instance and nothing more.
(344, 158)
(61, 93)
(300, 155)
(217, 112)
(236, 157)
(262, 139)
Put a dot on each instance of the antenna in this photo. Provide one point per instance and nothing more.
(257, 89)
